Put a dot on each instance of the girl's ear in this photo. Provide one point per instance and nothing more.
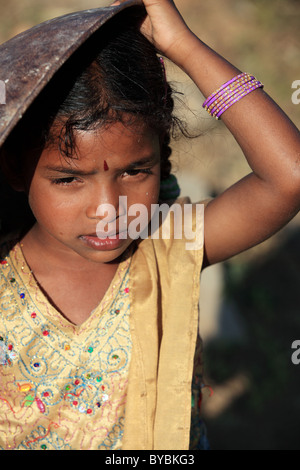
(9, 170)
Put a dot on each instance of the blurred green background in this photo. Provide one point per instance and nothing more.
(250, 306)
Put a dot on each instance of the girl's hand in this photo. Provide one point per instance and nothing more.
(164, 27)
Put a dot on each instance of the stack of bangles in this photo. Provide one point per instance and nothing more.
(229, 93)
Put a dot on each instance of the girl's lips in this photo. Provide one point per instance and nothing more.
(102, 244)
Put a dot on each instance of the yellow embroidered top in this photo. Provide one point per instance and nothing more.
(61, 386)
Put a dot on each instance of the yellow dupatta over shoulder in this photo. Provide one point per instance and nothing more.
(165, 281)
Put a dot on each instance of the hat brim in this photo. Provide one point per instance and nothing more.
(29, 60)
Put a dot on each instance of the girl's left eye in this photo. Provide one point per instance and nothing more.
(145, 171)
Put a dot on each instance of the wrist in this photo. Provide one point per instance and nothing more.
(180, 51)
(203, 65)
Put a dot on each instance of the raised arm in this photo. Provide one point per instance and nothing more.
(258, 205)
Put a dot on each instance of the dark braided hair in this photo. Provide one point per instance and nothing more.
(116, 74)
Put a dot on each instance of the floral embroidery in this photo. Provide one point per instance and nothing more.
(61, 386)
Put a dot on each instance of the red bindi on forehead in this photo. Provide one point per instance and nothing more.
(105, 166)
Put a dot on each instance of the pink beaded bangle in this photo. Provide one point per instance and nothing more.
(242, 78)
(221, 88)
(239, 93)
(229, 93)
(244, 93)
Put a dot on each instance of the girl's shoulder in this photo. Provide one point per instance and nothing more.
(176, 232)
(7, 243)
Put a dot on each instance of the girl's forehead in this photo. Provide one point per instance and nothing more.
(117, 142)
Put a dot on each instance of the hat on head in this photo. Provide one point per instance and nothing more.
(29, 60)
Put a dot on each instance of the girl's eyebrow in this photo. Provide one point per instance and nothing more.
(148, 160)
(70, 171)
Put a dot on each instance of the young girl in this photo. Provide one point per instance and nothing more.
(97, 330)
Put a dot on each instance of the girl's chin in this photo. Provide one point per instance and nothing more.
(103, 251)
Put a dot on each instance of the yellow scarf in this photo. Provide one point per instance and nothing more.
(164, 293)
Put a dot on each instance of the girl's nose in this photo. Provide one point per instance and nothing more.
(103, 202)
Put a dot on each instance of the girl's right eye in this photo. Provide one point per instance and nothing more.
(64, 181)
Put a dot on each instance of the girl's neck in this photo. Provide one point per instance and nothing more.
(58, 274)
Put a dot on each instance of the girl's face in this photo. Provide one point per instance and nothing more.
(67, 195)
